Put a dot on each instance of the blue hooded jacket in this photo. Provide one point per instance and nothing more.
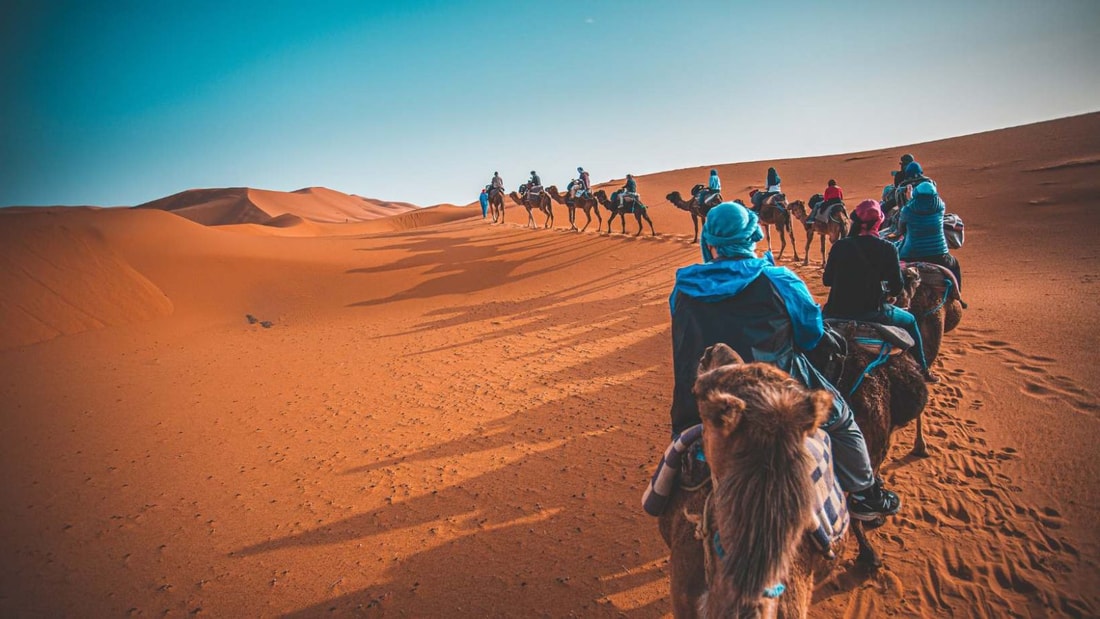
(762, 311)
(715, 184)
(923, 219)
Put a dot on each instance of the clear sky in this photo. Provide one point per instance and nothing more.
(119, 103)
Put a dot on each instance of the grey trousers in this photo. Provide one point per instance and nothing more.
(850, 458)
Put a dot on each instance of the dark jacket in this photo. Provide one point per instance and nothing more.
(762, 311)
(631, 186)
(857, 268)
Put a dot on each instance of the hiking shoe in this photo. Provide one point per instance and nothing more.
(873, 503)
(930, 376)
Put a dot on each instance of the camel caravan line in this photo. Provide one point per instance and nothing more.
(748, 499)
(774, 212)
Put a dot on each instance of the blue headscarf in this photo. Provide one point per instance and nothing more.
(731, 231)
(913, 170)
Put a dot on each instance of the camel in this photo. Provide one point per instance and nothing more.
(888, 397)
(542, 202)
(760, 499)
(586, 203)
(932, 297)
(833, 229)
(778, 215)
(619, 209)
(496, 204)
(698, 213)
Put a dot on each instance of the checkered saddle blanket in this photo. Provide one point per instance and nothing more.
(830, 517)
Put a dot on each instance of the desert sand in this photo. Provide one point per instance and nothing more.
(431, 416)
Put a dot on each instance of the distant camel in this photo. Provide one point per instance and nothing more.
(740, 544)
(542, 202)
(496, 204)
(779, 215)
(834, 229)
(887, 397)
(932, 295)
(587, 203)
(619, 209)
(698, 213)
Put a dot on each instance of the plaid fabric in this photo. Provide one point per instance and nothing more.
(830, 517)
(663, 483)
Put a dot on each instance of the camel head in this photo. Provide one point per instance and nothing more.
(798, 209)
(601, 196)
(553, 191)
(676, 200)
(753, 403)
(755, 421)
(518, 199)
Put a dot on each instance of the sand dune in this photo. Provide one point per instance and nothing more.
(241, 205)
(431, 416)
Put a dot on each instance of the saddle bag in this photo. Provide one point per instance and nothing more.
(953, 230)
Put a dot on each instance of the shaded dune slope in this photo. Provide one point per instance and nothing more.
(62, 279)
(242, 205)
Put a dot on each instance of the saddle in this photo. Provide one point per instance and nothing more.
(829, 212)
(870, 336)
(937, 277)
(628, 200)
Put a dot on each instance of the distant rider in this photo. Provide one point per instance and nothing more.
(771, 188)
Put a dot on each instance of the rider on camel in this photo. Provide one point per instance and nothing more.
(583, 183)
(921, 226)
(765, 313)
(834, 194)
(714, 187)
(863, 275)
(629, 190)
(771, 188)
(497, 182)
(534, 184)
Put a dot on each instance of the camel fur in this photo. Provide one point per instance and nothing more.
(756, 419)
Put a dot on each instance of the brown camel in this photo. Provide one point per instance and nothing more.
(587, 203)
(934, 302)
(778, 215)
(541, 202)
(698, 213)
(496, 204)
(888, 397)
(620, 209)
(755, 514)
(834, 229)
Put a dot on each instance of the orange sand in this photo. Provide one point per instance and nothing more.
(448, 418)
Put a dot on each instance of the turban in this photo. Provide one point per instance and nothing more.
(732, 231)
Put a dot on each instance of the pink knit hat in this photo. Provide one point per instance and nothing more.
(870, 216)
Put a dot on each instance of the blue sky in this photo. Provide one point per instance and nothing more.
(119, 103)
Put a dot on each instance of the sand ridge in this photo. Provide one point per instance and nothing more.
(449, 418)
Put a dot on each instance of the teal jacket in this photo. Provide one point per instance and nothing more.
(923, 220)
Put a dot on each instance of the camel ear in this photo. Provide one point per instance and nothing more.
(821, 402)
(721, 412)
(718, 355)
